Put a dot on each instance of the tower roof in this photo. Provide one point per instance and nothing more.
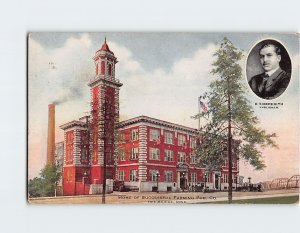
(105, 47)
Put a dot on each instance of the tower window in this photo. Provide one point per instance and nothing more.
(109, 69)
(103, 67)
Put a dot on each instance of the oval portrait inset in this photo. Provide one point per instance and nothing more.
(268, 69)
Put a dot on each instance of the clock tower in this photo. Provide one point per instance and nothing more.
(104, 87)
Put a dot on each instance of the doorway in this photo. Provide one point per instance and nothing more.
(183, 181)
(217, 181)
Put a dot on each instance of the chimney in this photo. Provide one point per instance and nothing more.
(51, 134)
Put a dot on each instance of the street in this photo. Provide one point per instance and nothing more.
(161, 198)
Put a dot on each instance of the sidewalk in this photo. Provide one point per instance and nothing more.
(162, 198)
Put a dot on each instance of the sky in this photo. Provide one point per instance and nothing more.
(162, 74)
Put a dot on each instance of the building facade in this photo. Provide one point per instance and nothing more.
(145, 153)
(153, 152)
(59, 158)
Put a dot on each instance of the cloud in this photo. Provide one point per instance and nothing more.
(167, 94)
(127, 65)
(199, 65)
(55, 75)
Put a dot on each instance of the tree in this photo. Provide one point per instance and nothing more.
(231, 123)
(45, 185)
(35, 187)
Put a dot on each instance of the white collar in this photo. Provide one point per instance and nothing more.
(272, 71)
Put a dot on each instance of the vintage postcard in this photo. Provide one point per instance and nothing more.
(163, 118)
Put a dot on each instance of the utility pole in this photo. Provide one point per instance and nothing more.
(199, 125)
(107, 135)
(229, 150)
(104, 137)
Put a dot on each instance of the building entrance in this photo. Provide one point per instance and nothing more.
(183, 181)
(182, 176)
(217, 181)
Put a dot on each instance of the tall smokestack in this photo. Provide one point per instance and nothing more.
(51, 134)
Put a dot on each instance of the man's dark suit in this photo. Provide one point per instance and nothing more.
(273, 87)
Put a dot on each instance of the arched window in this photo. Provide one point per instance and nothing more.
(109, 69)
(103, 67)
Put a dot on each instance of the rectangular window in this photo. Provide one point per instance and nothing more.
(122, 154)
(153, 175)
(225, 163)
(134, 153)
(181, 157)
(234, 164)
(154, 135)
(169, 155)
(169, 139)
(225, 178)
(234, 179)
(192, 143)
(194, 177)
(154, 154)
(134, 135)
(84, 153)
(193, 159)
(69, 146)
(168, 176)
(70, 137)
(207, 177)
(109, 157)
(121, 137)
(121, 175)
(133, 175)
(181, 140)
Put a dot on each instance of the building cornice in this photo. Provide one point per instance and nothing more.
(150, 120)
(73, 124)
(105, 80)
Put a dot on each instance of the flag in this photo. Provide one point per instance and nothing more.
(203, 106)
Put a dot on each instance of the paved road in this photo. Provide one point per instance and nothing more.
(161, 198)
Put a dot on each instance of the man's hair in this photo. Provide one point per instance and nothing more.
(270, 43)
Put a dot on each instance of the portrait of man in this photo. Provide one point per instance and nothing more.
(275, 67)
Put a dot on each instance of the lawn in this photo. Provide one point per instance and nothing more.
(268, 200)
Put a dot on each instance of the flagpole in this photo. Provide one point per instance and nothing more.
(199, 125)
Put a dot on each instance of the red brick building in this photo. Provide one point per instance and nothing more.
(137, 151)
(152, 149)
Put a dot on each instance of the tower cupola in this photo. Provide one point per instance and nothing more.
(105, 61)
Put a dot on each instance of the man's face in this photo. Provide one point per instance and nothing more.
(269, 58)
